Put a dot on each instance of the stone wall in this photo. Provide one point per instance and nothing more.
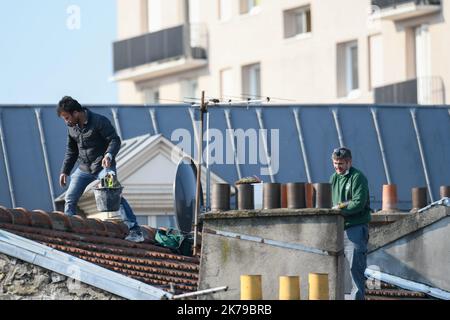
(23, 281)
(415, 248)
(287, 234)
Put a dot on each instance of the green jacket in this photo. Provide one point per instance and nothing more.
(352, 188)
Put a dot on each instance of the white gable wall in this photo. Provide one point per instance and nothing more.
(158, 170)
(147, 174)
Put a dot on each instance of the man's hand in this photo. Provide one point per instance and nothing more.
(62, 179)
(341, 205)
(106, 162)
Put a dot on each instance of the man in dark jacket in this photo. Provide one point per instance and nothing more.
(94, 143)
(350, 194)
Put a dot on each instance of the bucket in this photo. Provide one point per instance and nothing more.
(108, 199)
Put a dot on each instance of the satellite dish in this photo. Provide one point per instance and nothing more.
(184, 188)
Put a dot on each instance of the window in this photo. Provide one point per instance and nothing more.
(352, 67)
(165, 221)
(347, 68)
(249, 6)
(225, 10)
(251, 80)
(297, 21)
(151, 95)
(189, 90)
(142, 220)
(423, 65)
(226, 84)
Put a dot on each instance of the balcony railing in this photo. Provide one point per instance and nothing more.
(152, 47)
(423, 90)
(393, 3)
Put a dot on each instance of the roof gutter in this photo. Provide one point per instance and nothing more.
(78, 269)
(407, 284)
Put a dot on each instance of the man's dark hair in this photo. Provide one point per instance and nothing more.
(341, 153)
(68, 104)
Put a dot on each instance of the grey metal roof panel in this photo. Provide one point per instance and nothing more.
(365, 148)
(56, 137)
(435, 132)
(25, 158)
(105, 111)
(171, 119)
(5, 198)
(319, 132)
(134, 121)
(402, 152)
(291, 164)
(320, 139)
(217, 120)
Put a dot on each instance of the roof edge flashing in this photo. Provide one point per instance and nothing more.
(407, 284)
(78, 269)
(385, 235)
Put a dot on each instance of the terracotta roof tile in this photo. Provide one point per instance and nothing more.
(391, 292)
(102, 243)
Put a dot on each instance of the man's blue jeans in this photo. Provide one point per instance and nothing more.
(79, 180)
(355, 248)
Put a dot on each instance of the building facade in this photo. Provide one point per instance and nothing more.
(303, 51)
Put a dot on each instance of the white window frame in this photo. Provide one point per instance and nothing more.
(151, 95)
(290, 17)
(189, 90)
(252, 74)
(249, 7)
(347, 86)
(351, 87)
(423, 64)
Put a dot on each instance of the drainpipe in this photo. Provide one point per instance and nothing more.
(187, 32)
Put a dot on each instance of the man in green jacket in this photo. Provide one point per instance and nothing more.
(350, 194)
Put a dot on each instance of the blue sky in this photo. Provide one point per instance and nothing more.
(44, 55)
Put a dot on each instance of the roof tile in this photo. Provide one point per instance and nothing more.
(390, 292)
(102, 243)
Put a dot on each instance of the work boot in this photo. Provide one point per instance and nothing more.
(135, 236)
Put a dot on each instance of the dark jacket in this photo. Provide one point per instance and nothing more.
(90, 144)
(354, 189)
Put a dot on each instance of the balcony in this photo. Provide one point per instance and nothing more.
(423, 91)
(396, 10)
(157, 54)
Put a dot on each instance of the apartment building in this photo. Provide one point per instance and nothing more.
(307, 51)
